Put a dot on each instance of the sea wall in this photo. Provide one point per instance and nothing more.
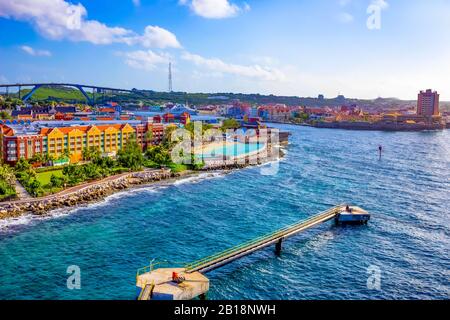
(381, 126)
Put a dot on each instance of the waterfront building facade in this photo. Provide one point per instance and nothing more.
(59, 139)
(277, 112)
(428, 103)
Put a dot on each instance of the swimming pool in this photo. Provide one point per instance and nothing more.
(231, 149)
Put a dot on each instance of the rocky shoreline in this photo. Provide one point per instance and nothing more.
(99, 190)
(84, 195)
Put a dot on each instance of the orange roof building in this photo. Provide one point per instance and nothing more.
(25, 140)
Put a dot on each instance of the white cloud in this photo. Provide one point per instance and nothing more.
(156, 37)
(58, 19)
(383, 4)
(215, 9)
(343, 3)
(252, 71)
(345, 17)
(136, 3)
(34, 52)
(146, 60)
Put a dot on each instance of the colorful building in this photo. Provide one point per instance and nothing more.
(57, 139)
(277, 112)
(428, 103)
(185, 118)
(168, 118)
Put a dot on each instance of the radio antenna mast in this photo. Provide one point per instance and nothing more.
(170, 77)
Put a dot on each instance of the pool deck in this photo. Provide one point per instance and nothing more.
(206, 149)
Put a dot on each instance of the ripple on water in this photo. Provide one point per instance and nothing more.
(408, 237)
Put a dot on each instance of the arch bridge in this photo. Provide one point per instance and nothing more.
(81, 87)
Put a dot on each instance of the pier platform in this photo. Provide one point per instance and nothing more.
(159, 285)
(356, 215)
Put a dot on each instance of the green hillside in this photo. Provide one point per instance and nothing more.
(56, 93)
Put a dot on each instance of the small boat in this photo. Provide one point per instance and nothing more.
(352, 215)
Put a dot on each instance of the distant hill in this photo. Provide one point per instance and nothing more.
(64, 93)
(72, 95)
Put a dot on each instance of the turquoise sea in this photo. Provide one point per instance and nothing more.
(407, 192)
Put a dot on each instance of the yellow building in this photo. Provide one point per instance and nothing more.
(73, 140)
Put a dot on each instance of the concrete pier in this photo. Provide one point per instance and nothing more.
(159, 284)
(355, 215)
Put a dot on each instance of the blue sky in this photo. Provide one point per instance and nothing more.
(282, 47)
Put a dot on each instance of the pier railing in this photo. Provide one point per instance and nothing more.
(208, 263)
(157, 265)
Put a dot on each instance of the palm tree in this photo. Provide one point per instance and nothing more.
(7, 174)
(149, 137)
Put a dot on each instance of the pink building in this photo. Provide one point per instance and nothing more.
(428, 103)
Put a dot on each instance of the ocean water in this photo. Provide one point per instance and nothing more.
(407, 240)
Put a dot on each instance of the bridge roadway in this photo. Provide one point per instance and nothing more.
(218, 260)
(80, 87)
(62, 85)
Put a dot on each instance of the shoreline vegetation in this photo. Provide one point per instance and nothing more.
(95, 191)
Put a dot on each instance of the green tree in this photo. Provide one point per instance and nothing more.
(91, 154)
(22, 165)
(191, 125)
(149, 137)
(37, 158)
(5, 115)
(167, 138)
(230, 124)
(75, 174)
(131, 155)
(92, 171)
(7, 174)
(54, 181)
(65, 155)
(11, 103)
(34, 188)
(158, 154)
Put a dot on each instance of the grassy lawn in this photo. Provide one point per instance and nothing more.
(44, 177)
(151, 164)
(177, 168)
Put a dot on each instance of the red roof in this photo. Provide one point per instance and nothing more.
(107, 110)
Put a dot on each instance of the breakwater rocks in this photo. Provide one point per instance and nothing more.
(98, 190)
(82, 194)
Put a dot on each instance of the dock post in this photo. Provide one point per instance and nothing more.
(278, 247)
